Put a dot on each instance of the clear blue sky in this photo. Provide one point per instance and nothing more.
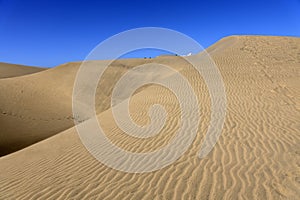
(48, 33)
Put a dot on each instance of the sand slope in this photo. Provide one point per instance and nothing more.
(41, 104)
(257, 156)
(12, 70)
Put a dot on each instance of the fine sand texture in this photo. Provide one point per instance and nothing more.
(256, 157)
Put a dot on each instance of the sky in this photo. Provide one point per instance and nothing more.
(49, 33)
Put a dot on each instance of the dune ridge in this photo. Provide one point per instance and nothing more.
(256, 157)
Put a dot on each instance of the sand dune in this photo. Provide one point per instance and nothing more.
(12, 70)
(52, 100)
(257, 156)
